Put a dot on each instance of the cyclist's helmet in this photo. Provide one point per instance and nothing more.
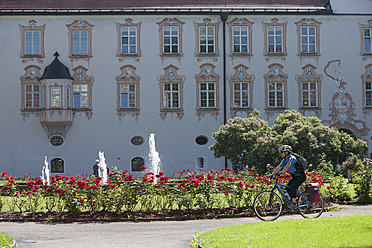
(285, 148)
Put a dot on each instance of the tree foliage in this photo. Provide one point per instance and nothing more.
(251, 141)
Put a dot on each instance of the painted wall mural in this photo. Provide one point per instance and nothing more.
(342, 106)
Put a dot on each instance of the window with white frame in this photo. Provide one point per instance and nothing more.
(80, 42)
(275, 39)
(32, 42)
(207, 39)
(309, 90)
(32, 96)
(128, 40)
(241, 95)
(127, 95)
(276, 95)
(367, 40)
(171, 95)
(170, 39)
(56, 97)
(240, 39)
(80, 96)
(309, 94)
(308, 31)
(308, 40)
(368, 92)
(207, 95)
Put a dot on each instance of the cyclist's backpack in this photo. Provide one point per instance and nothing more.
(312, 192)
(302, 162)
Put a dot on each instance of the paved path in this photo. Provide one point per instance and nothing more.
(171, 234)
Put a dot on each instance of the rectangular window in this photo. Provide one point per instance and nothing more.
(170, 40)
(308, 40)
(241, 95)
(206, 39)
(32, 96)
(276, 94)
(171, 95)
(309, 94)
(32, 42)
(80, 42)
(56, 97)
(240, 39)
(80, 96)
(275, 39)
(207, 95)
(368, 94)
(128, 40)
(367, 40)
(127, 95)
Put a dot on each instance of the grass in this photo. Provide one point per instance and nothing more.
(5, 240)
(352, 231)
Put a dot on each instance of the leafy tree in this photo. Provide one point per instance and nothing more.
(245, 141)
(250, 141)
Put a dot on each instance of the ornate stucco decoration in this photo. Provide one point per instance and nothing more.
(207, 76)
(342, 106)
(309, 84)
(171, 92)
(80, 76)
(274, 77)
(128, 84)
(241, 79)
(31, 78)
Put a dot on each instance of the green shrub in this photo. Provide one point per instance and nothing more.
(338, 189)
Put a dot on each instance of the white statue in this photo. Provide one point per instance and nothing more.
(45, 172)
(102, 167)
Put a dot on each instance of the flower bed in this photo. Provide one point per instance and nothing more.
(190, 194)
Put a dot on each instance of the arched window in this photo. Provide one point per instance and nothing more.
(137, 163)
(57, 165)
(201, 163)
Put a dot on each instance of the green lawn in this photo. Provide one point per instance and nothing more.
(353, 231)
(5, 240)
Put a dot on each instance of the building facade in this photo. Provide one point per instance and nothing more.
(103, 78)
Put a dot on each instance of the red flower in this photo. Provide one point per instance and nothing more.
(143, 168)
(81, 201)
(226, 192)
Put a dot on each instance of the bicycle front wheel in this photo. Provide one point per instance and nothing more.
(308, 209)
(267, 206)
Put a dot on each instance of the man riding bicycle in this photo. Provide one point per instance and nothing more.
(298, 175)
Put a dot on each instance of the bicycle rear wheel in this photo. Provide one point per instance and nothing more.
(308, 209)
(267, 206)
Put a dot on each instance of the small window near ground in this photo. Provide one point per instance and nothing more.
(137, 163)
(201, 140)
(57, 165)
(201, 163)
(137, 140)
(56, 140)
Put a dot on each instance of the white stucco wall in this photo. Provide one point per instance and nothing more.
(351, 6)
(24, 143)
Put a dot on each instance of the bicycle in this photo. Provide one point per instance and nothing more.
(268, 206)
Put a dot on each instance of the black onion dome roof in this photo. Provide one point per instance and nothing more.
(56, 70)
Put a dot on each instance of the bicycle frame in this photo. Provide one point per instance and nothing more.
(276, 187)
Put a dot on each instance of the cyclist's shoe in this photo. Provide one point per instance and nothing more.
(292, 206)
